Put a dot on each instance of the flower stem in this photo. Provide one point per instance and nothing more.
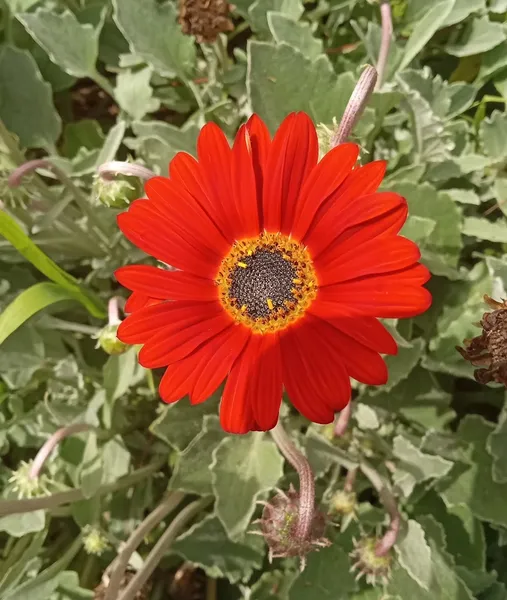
(120, 563)
(356, 105)
(350, 480)
(389, 501)
(113, 310)
(306, 480)
(50, 444)
(110, 169)
(161, 547)
(342, 422)
(385, 42)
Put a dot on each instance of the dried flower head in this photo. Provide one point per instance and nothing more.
(489, 350)
(26, 486)
(376, 569)
(205, 19)
(279, 527)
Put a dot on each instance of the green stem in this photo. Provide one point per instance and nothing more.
(10, 507)
(103, 82)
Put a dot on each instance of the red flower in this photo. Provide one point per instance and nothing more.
(282, 266)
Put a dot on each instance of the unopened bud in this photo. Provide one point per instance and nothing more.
(25, 485)
(109, 342)
(343, 503)
(118, 192)
(94, 541)
(376, 569)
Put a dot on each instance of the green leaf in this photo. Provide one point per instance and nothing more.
(134, 93)
(479, 35)
(366, 417)
(424, 30)
(416, 466)
(274, 91)
(463, 9)
(86, 133)
(464, 196)
(121, 371)
(259, 10)
(296, 34)
(192, 472)
(29, 302)
(154, 35)
(23, 524)
(418, 229)
(179, 423)
(112, 144)
(71, 45)
(327, 575)
(22, 88)
(493, 136)
(414, 554)
(115, 459)
(13, 233)
(486, 230)
(91, 471)
(206, 544)
(473, 484)
(243, 467)
(497, 447)
(400, 365)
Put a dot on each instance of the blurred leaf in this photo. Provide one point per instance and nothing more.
(121, 371)
(297, 34)
(23, 524)
(206, 544)
(486, 230)
(473, 484)
(259, 10)
(400, 365)
(73, 46)
(463, 9)
(192, 472)
(83, 134)
(414, 554)
(29, 302)
(479, 35)
(13, 233)
(493, 136)
(366, 416)
(112, 143)
(115, 459)
(22, 87)
(154, 35)
(497, 447)
(91, 469)
(134, 93)
(464, 196)
(243, 467)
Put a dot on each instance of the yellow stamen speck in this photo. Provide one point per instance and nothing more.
(242, 265)
(243, 308)
(270, 304)
(297, 281)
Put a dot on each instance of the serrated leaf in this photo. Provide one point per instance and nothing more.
(243, 467)
(418, 229)
(192, 472)
(414, 554)
(153, 34)
(296, 34)
(424, 30)
(416, 466)
(483, 229)
(497, 447)
(23, 524)
(179, 423)
(29, 302)
(134, 93)
(259, 9)
(274, 91)
(71, 45)
(473, 484)
(207, 545)
(479, 35)
(327, 575)
(22, 88)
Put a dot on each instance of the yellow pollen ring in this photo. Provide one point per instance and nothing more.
(294, 308)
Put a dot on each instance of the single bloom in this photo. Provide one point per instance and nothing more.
(280, 266)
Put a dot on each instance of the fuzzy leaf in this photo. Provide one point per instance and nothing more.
(134, 93)
(296, 34)
(479, 35)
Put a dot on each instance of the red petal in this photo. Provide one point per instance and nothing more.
(136, 301)
(174, 342)
(179, 377)
(324, 180)
(313, 373)
(362, 181)
(361, 363)
(166, 285)
(145, 227)
(228, 346)
(260, 141)
(245, 185)
(392, 295)
(236, 413)
(368, 331)
(292, 155)
(351, 261)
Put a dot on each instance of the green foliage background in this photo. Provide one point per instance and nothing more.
(87, 81)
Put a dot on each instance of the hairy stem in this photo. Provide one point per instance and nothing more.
(110, 169)
(385, 42)
(121, 562)
(356, 105)
(342, 422)
(306, 480)
(50, 444)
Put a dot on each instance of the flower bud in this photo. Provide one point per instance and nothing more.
(367, 563)
(118, 192)
(94, 541)
(279, 527)
(109, 342)
(324, 135)
(26, 486)
(343, 503)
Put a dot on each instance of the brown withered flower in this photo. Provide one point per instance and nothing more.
(489, 350)
(205, 19)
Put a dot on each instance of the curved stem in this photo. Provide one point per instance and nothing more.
(306, 479)
(120, 563)
(385, 42)
(50, 444)
(161, 547)
(342, 422)
(11, 507)
(356, 105)
(350, 480)
(389, 501)
(113, 310)
(109, 170)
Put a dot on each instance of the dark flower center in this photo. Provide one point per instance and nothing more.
(262, 282)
